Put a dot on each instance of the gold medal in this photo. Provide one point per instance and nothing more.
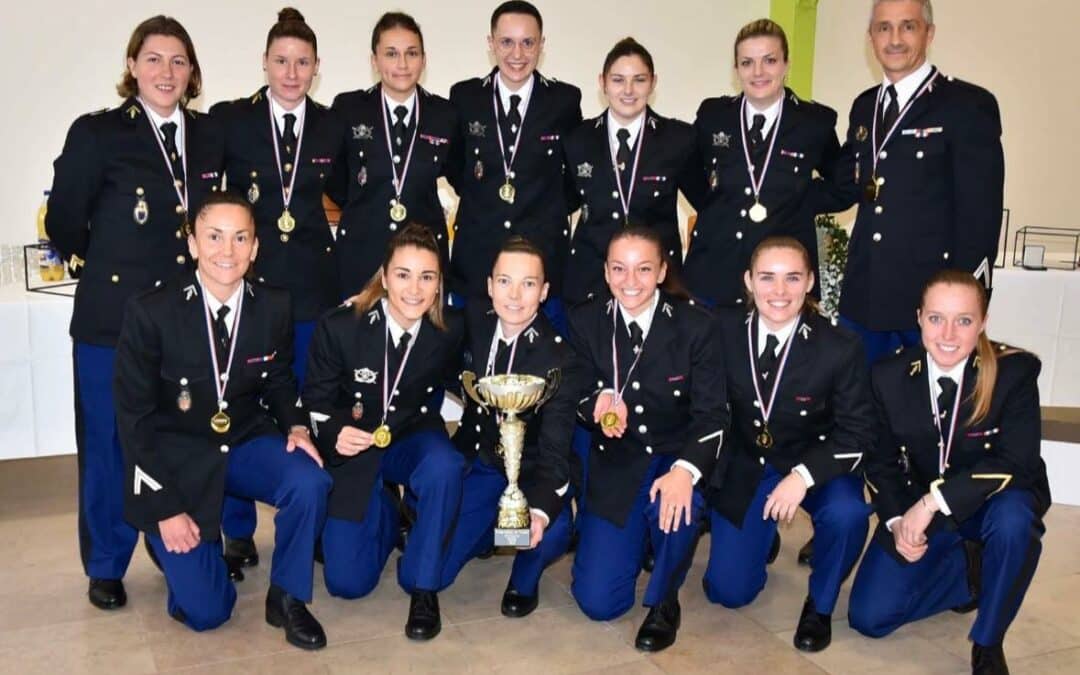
(507, 192)
(286, 223)
(381, 437)
(764, 439)
(609, 420)
(758, 212)
(220, 422)
(398, 212)
(183, 401)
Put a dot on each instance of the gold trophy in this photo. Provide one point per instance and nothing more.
(511, 394)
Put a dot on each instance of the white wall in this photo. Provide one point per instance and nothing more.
(63, 57)
(1023, 52)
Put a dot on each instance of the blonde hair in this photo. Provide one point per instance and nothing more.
(416, 236)
(761, 28)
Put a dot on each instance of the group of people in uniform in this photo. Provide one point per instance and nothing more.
(216, 364)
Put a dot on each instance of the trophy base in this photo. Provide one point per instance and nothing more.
(512, 537)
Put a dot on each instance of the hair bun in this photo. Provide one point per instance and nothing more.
(290, 14)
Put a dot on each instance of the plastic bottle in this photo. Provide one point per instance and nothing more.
(50, 265)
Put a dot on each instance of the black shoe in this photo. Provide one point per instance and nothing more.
(775, 550)
(424, 622)
(486, 554)
(301, 628)
(241, 552)
(574, 537)
(806, 553)
(107, 593)
(661, 625)
(150, 553)
(988, 660)
(236, 573)
(815, 630)
(973, 553)
(515, 605)
(649, 561)
(178, 615)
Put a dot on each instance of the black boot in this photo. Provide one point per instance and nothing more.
(988, 660)
(660, 627)
(241, 552)
(107, 593)
(973, 553)
(814, 632)
(301, 628)
(424, 621)
(515, 605)
(806, 553)
(775, 550)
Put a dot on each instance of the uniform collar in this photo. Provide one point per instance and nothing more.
(770, 114)
(409, 103)
(396, 330)
(934, 371)
(525, 93)
(644, 320)
(177, 118)
(907, 86)
(782, 335)
(634, 128)
(280, 111)
(216, 304)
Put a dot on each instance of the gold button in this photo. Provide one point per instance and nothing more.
(180, 260)
(179, 209)
(116, 278)
(179, 234)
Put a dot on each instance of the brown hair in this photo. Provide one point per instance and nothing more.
(416, 236)
(987, 356)
(810, 303)
(218, 198)
(291, 24)
(519, 244)
(761, 28)
(160, 25)
(391, 20)
(628, 46)
(671, 285)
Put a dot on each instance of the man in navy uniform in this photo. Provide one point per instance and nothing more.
(509, 168)
(206, 405)
(928, 172)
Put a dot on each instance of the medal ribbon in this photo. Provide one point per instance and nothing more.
(615, 356)
(626, 198)
(221, 379)
(286, 192)
(399, 182)
(498, 135)
(388, 395)
(756, 183)
(182, 196)
(766, 410)
(896, 125)
(945, 447)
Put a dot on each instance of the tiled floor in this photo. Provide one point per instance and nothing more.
(47, 626)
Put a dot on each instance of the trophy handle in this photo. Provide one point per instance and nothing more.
(554, 378)
(468, 380)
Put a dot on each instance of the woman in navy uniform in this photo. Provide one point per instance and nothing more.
(511, 335)
(801, 422)
(397, 143)
(509, 168)
(628, 166)
(279, 145)
(375, 372)
(785, 140)
(657, 417)
(123, 188)
(206, 405)
(956, 477)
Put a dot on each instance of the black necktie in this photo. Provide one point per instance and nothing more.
(622, 158)
(513, 116)
(637, 337)
(767, 358)
(502, 358)
(399, 124)
(892, 111)
(168, 133)
(221, 332)
(757, 130)
(947, 398)
(288, 134)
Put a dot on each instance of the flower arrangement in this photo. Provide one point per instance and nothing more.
(832, 257)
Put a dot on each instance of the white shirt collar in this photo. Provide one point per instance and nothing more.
(934, 371)
(500, 336)
(409, 103)
(177, 118)
(907, 86)
(525, 93)
(782, 335)
(396, 330)
(645, 318)
(613, 128)
(770, 114)
(279, 113)
(216, 304)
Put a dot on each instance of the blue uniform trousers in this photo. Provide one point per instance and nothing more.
(198, 581)
(888, 593)
(430, 467)
(106, 541)
(737, 569)
(608, 558)
(881, 343)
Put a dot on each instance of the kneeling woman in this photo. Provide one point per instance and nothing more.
(376, 366)
(801, 422)
(957, 479)
(657, 419)
(511, 335)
